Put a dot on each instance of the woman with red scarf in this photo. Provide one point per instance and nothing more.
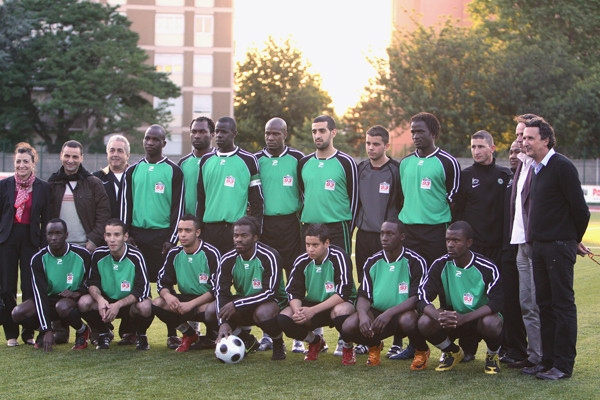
(24, 202)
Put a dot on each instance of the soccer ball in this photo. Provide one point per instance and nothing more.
(230, 349)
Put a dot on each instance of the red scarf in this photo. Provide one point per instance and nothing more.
(23, 189)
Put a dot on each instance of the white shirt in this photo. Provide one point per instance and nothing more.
(518, 231)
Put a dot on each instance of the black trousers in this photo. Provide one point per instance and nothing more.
(514, 337)
(150, 242)
(553, 264)
(429, 241)
(367, 244)
(219, 234)
(15, 254)
(282, 232)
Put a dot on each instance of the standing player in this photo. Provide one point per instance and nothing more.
(228, 180)
(470, 295)
(328, 182)
(118, 286)
(279, 180)
(58, 274)
(202, 130)
(388, 296)
(191, 267)
(379, 199)
(321, 291)
(254, 270)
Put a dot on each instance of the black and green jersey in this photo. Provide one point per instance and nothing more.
(428, 184)
(387, 283)
(330, 189)
(279, 180)
(463, 289)
(190, 166)
(192, 273)
(255, 281)
(117, 279)
(226, 183)
(318, 282)
(152, 196)
(54, 274)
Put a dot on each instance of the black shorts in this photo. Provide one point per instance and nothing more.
(467, 331)
(248, 314)
(123, 311)
(282, 232)
(320, 319)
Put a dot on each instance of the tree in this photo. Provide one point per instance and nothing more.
(77, 73)
(275, 82)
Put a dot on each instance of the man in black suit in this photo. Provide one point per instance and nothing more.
(557, 221)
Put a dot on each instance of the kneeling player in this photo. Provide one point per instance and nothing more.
(470, 294)
(320, 290)
(254, 269)
(191, 267)
(58, 274)
(118, 287)
(387, 297)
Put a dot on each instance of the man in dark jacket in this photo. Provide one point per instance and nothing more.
(117, 153)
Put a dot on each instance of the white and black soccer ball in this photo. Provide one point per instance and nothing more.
(230, 350)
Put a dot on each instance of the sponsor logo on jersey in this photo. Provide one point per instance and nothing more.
(329, 287)
(420, 162)
(402, 288)
(190, 259)
(458, 274)
(246, 266)
(150, 168)
(288, 180)
(116, 267)
(59, 261)
(223, 161)
(256, 283)
(203, 278)
(510, 182)
(330, 184)
(384, 188)
(69, 278)
(125, 286)
(229, 181)
(426, 184)
(317, 270)
(474, 182)
(275, 162)
(159, 187)
(468, 299)
(321, 164)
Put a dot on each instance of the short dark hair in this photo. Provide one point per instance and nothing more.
(23, 147)
(325, 118)
(432, 123)
(249, 221)
(525, 117)
(73, 144)
(319, 230)
(380, 131)
(546, 130)
(190, 217)
(210, 122)
(462, 226)
(116, 222)
(228, 120)
(398, 223)
(58, 221)
(485, 135)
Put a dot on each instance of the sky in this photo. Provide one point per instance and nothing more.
(335, 37)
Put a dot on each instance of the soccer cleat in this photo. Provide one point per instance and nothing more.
(266, 343)
(395, 349)
(492, 364)
(186, 342)
(39, 341)
(406, 354)
(450, 359)
(81, 339)
(142, 343)
(420, 360)
(103, 341)
(298, 346)
(173, 342)
(314, 349)
(324, 347)
(204, 342)
(374, 355)
(348, 356)
(339, 349)
(128, 339)
(251, 344)
(361, 349)
(279, 352)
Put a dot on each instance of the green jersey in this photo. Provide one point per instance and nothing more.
(153, 196)
(317, 282)
(226, 183)
(387, 283)
(279, 180)
(255, 281)
(192, 273)
(54, 274)
(190, 166)
(428, 184)
(117, 279)
(463, 289)
(330, 189)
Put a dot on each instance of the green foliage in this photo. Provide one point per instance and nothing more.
(77, 73)
(276, 82)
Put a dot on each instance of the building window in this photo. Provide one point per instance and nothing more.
(169, 30)
(170, 2)
(202, 105)
(176, 108)
(203, 30)
(203, 70)
(171, 64)
(205, 3)
(116, 2)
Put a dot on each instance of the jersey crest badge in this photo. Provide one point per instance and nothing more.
(203, 278)
(426, 184)
(256, 283)
(500, 181)
(69, 278)
(330, 185)
(125, 286)
(468, 299)
(402, 288)
(329, 287)
(288, 180)
(384, 188)
(159, 187)
(230, 181)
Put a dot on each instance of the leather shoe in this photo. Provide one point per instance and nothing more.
(521, 364)
(553, 374)
(536, 369)
(506, 359)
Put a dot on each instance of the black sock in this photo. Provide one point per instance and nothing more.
(452, 347)
(142, 324)
(271, 327)
(338, 322)
(94, 320)
(74, 319)
(170, 318)
(189, 331)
